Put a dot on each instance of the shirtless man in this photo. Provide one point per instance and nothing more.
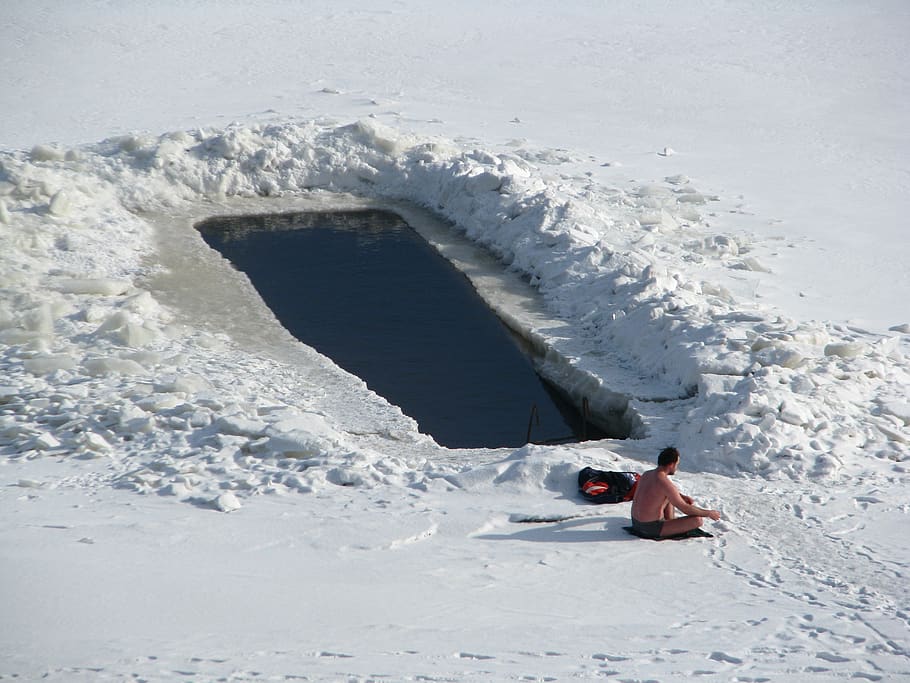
(657, 498)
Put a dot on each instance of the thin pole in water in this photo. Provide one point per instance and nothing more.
(585, 409)
(534, 415)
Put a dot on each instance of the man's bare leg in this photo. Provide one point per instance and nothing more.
(672, 527)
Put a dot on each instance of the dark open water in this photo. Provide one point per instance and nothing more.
(364, 289)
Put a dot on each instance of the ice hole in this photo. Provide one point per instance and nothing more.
(365, 289)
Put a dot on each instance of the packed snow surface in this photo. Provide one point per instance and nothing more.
(576, 164)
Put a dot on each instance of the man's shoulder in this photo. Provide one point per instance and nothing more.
(664, 479)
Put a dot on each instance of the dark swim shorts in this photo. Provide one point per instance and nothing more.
(648, 529)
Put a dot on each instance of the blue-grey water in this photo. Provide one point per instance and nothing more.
(364, 289)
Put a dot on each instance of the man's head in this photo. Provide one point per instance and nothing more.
(668, 460)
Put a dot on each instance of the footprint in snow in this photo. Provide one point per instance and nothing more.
(724, 657)
(863, 502)
(833, 658)
(416, 538)
(609, 658)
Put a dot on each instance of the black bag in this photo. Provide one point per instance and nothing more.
(599, 486)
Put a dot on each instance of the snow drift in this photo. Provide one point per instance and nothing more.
(95, 365)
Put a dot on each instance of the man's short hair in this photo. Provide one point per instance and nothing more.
(668, 456)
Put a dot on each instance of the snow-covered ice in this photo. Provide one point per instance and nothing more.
(693, 212)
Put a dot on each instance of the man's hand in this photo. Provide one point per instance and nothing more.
(713, 514)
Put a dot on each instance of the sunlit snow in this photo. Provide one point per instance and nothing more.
(694, 214)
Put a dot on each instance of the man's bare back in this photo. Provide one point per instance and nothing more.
(657, 499)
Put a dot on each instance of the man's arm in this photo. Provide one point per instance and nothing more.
(685, 504)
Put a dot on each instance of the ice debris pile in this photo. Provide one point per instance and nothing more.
(93, 366)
